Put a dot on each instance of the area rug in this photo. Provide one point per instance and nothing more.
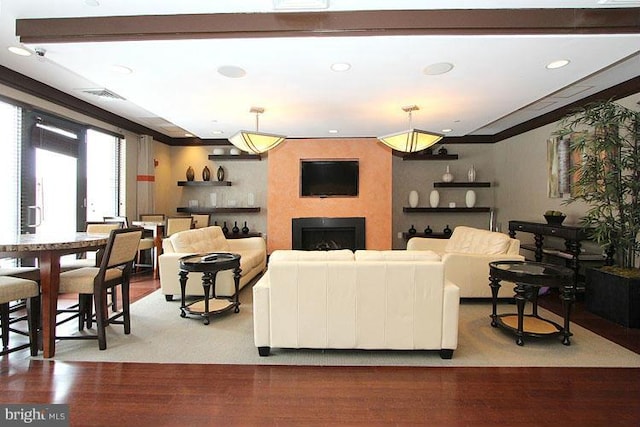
(160, 335)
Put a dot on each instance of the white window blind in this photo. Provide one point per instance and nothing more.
(103, 175)
(10, 126)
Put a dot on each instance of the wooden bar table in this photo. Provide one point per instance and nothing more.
(48, 248)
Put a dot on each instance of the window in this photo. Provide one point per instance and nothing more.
(10, 125)
(103, 175)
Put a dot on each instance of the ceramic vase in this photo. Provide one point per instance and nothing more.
(251, 199)
(413, 198)
(412, 230)
(448, 176)
(214, 199)
(206, 174)
(471, 174)
(470, 198)
(190, 174)
(245, 229)
(220, 174)
(434, 198)
(235, 229)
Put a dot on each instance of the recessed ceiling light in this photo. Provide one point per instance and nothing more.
(446, 130)
(439, 68)
(92, 2)
(218, 132)
(121, 69)
(333, 130)
(340, 66)
(557, 64)
(188, 135)
(232, 71)
(19, 51)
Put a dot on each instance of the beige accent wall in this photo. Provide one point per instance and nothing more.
(373, 201)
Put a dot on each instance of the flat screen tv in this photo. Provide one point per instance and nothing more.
(329, 178)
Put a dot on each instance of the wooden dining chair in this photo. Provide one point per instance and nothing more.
(201, 220)
(178, 223)
(92, 283)
(13, 291)
(152, 217)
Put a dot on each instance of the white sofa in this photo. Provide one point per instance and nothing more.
(466, 256)
(253, 260)
(368, 300)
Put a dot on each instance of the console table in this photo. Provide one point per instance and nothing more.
(571, 234)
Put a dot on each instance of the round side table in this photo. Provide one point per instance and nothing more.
(529, 277)
(209, 265)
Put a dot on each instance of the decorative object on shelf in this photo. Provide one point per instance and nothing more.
(470, 198)
(411, 140)
(251, 199)
(218, 151)
(255, 142)
(235, 229)
(206, 174)
(214, 199)
(443, 151)
(428, 230)
(193, 203)
(220, 173)
(215, 223)
(447, 176)
(413, 198)
(235, 152)
(245, 229)
(190, 174)
(412, 230)
(452, 204)
(225, 229)
(471, 174)
(447, 231)
(434, 198)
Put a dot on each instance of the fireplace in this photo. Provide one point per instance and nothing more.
(328, 233)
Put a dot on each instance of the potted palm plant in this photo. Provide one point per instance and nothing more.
(605, 137)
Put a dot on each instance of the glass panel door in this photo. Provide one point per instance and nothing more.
(56, 192)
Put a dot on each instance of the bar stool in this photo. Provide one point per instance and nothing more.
(16, 289)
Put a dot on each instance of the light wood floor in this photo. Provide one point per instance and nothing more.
(133, 394)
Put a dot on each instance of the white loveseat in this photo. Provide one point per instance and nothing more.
(253, 260)
(466, 256)
(368, 300)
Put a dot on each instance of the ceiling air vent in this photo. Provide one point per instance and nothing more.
(102, 93)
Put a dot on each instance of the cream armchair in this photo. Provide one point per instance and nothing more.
(253, 260)
(466, 257)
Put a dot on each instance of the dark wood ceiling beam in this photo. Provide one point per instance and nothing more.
(352, 23)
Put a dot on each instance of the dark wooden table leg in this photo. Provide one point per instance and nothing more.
(207, 281)
(495, 287)
(521, 299)
(49, 262)
(183, 290)
(539, 240)
(568, 295)
(236, 297)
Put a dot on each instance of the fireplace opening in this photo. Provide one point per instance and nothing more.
(324, 234)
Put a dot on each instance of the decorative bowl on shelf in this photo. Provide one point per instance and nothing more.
(555, 219)
(218, 151)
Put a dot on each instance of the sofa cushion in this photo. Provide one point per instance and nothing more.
(470, 240)
(371, 255)
(296, 255)
(200, 240)
(250, 259)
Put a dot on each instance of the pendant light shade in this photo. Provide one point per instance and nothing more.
(255, 142)
(411, 140)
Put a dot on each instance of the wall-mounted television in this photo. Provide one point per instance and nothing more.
(329, 178)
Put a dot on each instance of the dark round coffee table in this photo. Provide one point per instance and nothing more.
(529, 277)
(209, 265)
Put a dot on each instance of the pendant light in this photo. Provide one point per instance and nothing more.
(411, 140)
(255, 142)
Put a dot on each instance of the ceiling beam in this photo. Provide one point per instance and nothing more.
(332, 24)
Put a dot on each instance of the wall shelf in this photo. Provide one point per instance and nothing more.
(204, 183)
(445, 210)
(218, 210)
(408, 236)
(419, 156)
(235, 157)
(461, 184)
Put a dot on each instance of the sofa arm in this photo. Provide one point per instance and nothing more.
(450, 315)
(470, 272)
(427, 244)
(261, 319)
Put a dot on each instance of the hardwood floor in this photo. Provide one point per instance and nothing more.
(201, 395)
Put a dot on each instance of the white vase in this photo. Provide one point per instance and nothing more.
(434, 198)
(470, 198)
(214, 199)
(471, 174)
(251, 199)
(413, 198)
(448, 176)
